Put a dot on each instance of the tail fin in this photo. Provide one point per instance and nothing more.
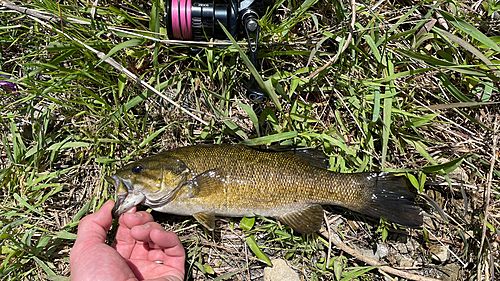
(389, 196)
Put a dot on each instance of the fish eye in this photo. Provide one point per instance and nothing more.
(137, 169)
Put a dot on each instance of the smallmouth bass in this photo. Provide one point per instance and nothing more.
(205, 181)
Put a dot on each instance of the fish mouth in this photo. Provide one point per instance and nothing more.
(126, 197)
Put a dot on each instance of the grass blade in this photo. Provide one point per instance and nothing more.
(23, 203)
(445, 168)
(452, 89)
(44, 266)
(469, 29)
(376, 103)
(386, 129)
(256, 249)
(270, 139)
(267, 85)
(468, 47)
(127, 44)
(66, 145)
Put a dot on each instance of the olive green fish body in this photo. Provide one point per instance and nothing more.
(235, 180)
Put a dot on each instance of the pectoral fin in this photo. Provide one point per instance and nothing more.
(210, 180)
(206, 219)
(307, 220)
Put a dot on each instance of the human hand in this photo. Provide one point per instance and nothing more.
(139, 243)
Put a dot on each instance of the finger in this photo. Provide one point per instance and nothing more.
(154, 242)
(128, 221)
(138, 218)
(172, 247)
(92, 229)
(124, 243)
(142, 232)
(141, 235)
(165, 239)
(153, 270)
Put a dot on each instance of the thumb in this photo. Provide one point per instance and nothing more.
(92, 229)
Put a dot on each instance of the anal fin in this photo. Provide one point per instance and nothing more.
(307, 220)
(206, 219)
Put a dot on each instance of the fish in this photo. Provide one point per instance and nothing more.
(226, 180)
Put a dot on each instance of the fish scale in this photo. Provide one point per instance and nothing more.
(235, 180)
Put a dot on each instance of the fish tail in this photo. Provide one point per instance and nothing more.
(390, 196)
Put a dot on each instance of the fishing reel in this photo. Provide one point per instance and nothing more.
(202, 20)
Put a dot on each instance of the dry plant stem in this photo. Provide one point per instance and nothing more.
(131, 76)
(450, 251)
(337, 242)
(329, 239)
(30, 12)
(487, 194)
(386, 275)
(37, 16)
(347, 42)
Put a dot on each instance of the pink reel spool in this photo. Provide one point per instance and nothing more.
(181, 19)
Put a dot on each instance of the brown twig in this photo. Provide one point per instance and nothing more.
(357, 255)
(488, 194)
(329, 238)
(346, 44)
(30, 12)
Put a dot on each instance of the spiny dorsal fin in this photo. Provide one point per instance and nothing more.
(206, 219)
(311, 156)
(307, 220)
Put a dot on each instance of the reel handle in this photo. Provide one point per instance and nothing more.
(254, 92)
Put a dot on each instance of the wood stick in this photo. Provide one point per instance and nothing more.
(488, 195)
(403, 274)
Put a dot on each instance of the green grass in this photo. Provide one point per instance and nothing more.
(415, 90)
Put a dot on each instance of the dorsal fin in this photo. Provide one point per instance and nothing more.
(311, 156)
(307, 220)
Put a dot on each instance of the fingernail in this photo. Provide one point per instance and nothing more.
(161, 230)
(137, 215)
(145, 226)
